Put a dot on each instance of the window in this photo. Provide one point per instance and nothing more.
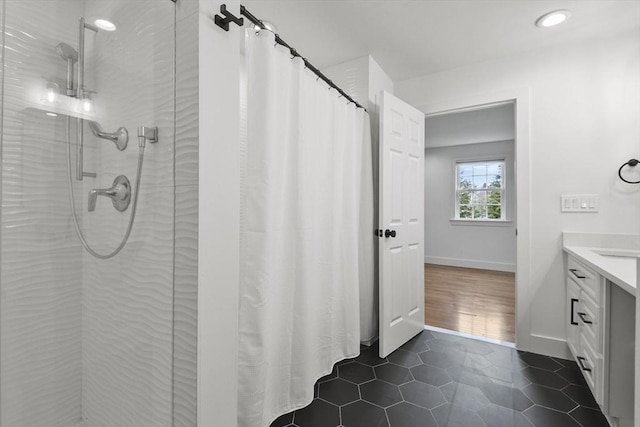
(480, 190)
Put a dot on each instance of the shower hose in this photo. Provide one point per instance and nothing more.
(73, 202)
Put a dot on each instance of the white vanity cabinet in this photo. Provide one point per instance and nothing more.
(601, 337)
(586, 296)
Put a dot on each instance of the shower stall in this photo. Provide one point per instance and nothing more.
(98, 217)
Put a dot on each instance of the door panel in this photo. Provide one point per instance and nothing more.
(401, 212)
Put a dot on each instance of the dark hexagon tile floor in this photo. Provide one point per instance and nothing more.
(443, 380)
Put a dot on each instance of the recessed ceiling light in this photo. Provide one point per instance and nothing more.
(51, 114)
(104, 24)
(553, 18)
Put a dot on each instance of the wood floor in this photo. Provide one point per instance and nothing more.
(478, 302)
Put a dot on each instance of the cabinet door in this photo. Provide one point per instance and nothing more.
(573, 325)
(591, 365)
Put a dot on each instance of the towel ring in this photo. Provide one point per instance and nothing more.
(632, 163)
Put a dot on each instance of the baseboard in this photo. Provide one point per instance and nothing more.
(469, 263)
(549, 346)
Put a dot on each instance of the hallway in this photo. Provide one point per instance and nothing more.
(471, 301)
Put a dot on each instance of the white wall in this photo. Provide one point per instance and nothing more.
(219, 229)
(488, 246)
(584, 109)
(486, 124)
(352, 77)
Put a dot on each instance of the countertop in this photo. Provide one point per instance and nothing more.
(620, 270)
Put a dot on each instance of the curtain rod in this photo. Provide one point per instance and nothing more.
(259, 23)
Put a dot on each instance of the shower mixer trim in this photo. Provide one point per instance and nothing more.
(119, 193)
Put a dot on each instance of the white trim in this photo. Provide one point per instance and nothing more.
(551, 346)
(218, 203)
(473, 337)
(471, 108)
(481, 222)
(470, 263)
(522, 98)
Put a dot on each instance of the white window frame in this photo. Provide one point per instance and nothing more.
(503, 220)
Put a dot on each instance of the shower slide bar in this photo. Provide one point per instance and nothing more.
(80, 173)
(121, 136)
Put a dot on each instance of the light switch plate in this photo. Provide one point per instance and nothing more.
(587, 203)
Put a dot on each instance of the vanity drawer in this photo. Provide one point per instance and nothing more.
(590, 319)
(591, 366)
(573, 321)
(585, 277)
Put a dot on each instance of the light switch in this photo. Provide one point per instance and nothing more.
(579, 203)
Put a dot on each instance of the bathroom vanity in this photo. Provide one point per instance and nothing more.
(601, 288)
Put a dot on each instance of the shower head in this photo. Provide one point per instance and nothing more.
(67, 52)
(70, 55)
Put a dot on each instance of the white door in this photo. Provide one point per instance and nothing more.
(401, 228)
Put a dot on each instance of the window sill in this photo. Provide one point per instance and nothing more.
(482, 222)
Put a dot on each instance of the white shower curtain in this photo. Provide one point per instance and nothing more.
(306, 232)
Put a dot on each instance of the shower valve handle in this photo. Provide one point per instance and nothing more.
(119, 193)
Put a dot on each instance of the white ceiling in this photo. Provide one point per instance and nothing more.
(411, 38)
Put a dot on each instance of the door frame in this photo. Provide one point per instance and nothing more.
(521, 100)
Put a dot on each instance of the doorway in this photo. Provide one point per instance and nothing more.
(470, 221)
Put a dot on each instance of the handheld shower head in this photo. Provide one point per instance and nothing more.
(70, 55)
(67, 52)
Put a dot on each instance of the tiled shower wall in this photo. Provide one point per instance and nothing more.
(40, 271)
(99, 342)
(186, 216)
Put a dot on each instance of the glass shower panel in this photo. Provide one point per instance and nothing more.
(86, 341)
